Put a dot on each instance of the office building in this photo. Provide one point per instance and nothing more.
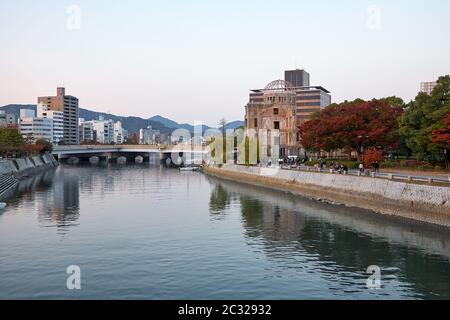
(7, 120)
(33, 128)
(310, 100)
(428, 87)
(298, 77)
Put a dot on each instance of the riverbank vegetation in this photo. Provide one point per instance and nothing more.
(414, 134)
(12, 144)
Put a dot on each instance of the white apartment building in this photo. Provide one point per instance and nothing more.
(58, 121)
(35, 128)
(149, 136)
(105, 130)
(101, 130)
(120, 134)
(86, 131)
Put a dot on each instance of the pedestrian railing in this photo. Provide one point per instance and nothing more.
(374, 175)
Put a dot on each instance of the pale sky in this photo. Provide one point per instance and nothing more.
(197, 60)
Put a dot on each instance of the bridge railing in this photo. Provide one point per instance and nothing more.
(124, 148)
(105, 147)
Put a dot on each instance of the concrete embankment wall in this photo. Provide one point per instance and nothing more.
(11, 170)
(430, 204)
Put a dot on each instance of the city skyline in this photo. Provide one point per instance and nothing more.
(197, 61)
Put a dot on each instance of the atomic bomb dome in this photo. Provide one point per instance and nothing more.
(279, 85)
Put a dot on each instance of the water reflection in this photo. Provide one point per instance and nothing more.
(166, 234)
(61, 207)
(341, 245)
(219, 200)
(55, 199)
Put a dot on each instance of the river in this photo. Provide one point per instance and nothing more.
(146, 232)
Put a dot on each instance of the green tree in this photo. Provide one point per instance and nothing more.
(222, 124)
(394, 101)
(11, 141)
(423, 116)
(46, 146)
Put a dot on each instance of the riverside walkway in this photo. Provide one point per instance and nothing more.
(408, 176)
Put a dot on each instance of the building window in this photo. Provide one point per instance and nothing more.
(256, 123)
(309, 104)
(276, 125)
(276, 111)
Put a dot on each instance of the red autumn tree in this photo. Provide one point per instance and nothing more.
(352, 126)
(441, 137)
(372, 155)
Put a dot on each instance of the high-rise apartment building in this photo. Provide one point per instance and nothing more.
(69, 106)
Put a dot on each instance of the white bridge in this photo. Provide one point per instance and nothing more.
(109, 152)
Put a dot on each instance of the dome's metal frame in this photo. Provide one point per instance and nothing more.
(279, 85)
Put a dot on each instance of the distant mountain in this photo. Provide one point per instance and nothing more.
(132, 124)
(167, 122)
(175, 125)
(234, 125)
(15, 108)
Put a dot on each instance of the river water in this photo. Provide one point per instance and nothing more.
(146, 232)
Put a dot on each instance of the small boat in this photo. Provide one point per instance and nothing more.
(2, 205)
(189, 168)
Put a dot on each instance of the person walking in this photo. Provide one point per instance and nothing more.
(377, 166)
(361, 168)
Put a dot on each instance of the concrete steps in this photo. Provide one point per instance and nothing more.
(7, 182)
